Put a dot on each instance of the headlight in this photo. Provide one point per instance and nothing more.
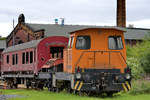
(78, 75)
(128, 76)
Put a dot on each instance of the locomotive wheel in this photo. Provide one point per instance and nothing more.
(32, 86)
(40, 86)
(53, 89)
(49, 89)
(89, 93)
(27, 86)
(57, 90)
(109, 94)
(69, 90)
(15, 86)
(80, 93)
(10, 85)
(75, 91)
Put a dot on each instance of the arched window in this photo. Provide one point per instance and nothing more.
(20, 41)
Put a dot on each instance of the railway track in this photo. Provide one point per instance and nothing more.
(2, 86)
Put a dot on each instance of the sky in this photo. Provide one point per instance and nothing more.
(76, 12)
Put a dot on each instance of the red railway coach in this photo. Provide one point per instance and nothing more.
(23, 63)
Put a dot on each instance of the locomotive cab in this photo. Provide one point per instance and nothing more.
(97, 58)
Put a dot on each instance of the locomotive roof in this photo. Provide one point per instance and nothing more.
(22, 46)
(115, 28)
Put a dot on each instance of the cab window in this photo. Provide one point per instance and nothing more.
(115, 42)
(70, 44)
(83, 42)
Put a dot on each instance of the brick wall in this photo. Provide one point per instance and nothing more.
(21, 36)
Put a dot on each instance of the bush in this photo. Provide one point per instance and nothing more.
(138, 58)
(134, 64)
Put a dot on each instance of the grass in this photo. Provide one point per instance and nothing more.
(46, 95)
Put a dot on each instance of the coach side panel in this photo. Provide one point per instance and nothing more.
(19, 61)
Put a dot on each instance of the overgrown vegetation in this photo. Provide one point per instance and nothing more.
(140, 87)
(2, 38)
(138, 58)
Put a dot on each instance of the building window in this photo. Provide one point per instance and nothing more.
(83, 42)
(20, 42)
(7, 59)
(115, 43)
(23, 58)
(13, 59)
(27, 57)
(31, 56)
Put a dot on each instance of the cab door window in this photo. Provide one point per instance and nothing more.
(83, 42)
(115, 42)
(71, 40)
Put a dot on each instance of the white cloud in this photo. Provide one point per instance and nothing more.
(141, 23)
(5, 29)
(94, 12)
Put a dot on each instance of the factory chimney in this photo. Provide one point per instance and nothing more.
(121, 13)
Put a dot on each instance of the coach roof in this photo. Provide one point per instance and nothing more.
(22, 46)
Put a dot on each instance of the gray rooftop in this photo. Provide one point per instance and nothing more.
(59, 30)
(2, 44)
(136, 33)
(22, 46)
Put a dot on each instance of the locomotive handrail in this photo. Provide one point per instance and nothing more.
(101, 51)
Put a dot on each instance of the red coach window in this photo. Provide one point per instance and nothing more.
(31, 56)
(16, 58)
(23, 58)
(13, 59)
(27, 57)
(7, 59)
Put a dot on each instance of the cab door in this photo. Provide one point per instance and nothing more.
(68, 56)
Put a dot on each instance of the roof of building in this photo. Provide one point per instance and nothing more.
(59, 30)
(2, 44)
(63, 30)
(136, 33)
(22, 46)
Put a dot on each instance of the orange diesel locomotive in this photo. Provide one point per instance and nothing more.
(95, 61)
